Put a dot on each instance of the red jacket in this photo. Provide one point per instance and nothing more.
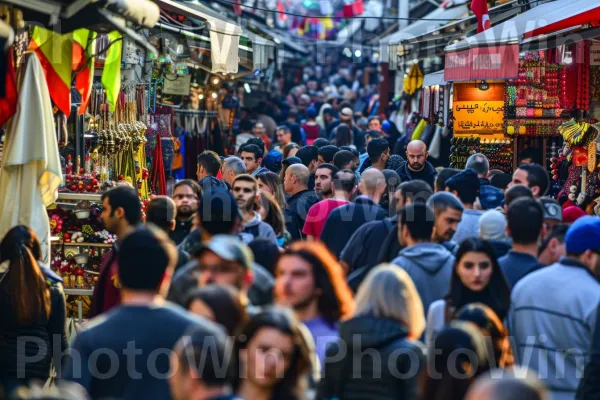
(107, 293)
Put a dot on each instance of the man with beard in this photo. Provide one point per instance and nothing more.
(416, 165)
(448, 212)
(344, 185)
(120, 214)
(186, 195)
(564, 296)
(245, 191)
(323, 181)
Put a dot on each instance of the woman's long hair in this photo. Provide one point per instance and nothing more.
(274, 213)
(288, 148)
(343, 135)
(272, 180)
(459, 355)
(389, 292)
(496, 294)
(23, 287)
(295, 379)
(491, 326)
(335, 302)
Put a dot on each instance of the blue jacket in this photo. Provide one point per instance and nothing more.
(490, 196)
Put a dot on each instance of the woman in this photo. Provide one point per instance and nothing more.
(271, 183)
(459, 355)
(274, 358)
(343, 136)
(218, 303)
(309, 279)
(490, 326)
(290, 150)
(388, 321)
(271, 213)
(32, 306)
(476, 278)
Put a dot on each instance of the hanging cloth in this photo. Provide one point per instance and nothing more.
(31, 173)
(159, 180)
(111, 75)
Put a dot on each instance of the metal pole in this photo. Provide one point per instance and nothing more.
(402, 13)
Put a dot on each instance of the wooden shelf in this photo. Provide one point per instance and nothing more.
(83, 244)
(80, 196)
(78, 292)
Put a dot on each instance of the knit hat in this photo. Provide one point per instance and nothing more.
(492, 225)
(571, 214)
(583, 235)
(272, 161)
(466, 183)
(311, 112)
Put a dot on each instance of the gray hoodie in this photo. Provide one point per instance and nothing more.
(430, 267)
(255, 229)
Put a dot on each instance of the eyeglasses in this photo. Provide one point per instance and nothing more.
(220, 268)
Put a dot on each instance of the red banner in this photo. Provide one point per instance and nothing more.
(493, 62)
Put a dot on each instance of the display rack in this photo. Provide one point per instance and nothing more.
(80, 196)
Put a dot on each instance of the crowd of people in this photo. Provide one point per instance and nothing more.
(320, 261)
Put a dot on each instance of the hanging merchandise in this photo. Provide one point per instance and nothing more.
(414, 80)
(84, 43)
(111, 74)
(8, 104)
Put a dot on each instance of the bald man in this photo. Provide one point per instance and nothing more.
(345, 220)
(416, 165)
(295, 184)
(512, 384)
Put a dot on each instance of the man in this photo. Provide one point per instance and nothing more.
(232, 167)
(375, 124)
(260, 132)
(315, 290)
(358, 136)
(326, 154)
(448, 212)
(553, 247)
(245, 133)
(492, 228)
(198, 377)
(344, 186)
(465, 186)
(186, 194)
(428, 264)
(121, 213)
(490, 197)
(442, 177)
(377, 242)
(345, 159)
(514, 193)
(553, 215)
(554, 311)
(142, 325)
(283, 136)
(369, 136)
(245, 191)
(330, 121)
(252, 156)
(218, 214)
(294, 127)
(209, 165)
(324, 180)
(379, 152)
(345, 220)
(301, 199)
(525, 218)
(309, 155)
(162, 212)
(416, 165)
(534, 176)
(589, 386)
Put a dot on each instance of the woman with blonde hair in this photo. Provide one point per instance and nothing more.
(271, 213)
(387, 323)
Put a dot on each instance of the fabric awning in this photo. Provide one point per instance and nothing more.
(435, 78)
(224, 34)
(394, 44)
(263, 50)
(494, 53)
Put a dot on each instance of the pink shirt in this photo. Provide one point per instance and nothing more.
(317, 215)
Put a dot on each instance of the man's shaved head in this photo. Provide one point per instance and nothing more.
(300, 172)
(372, 181)
(416, 155)
(516, 383)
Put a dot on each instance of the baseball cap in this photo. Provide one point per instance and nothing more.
(229, 248)
(346, 113)
(272, 161)
(583, 235)
(373, 134)
(552, 210)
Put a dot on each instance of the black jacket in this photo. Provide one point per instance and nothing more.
(345, 220)
(427, 174)
(182, 229)
(398, 356)
(363, 247)
(589, 386)
(296, 211)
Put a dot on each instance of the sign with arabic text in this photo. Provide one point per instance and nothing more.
(478, 117)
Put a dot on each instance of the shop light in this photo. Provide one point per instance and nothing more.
(201, 96)
(247, 87)
(215, 81)
(357, 53)
(483, 86)
(214, 95)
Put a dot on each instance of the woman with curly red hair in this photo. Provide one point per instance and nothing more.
(309, 280)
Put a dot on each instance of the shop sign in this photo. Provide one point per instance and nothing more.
(491, 62)
(595, 54)
(178, 85)
(478, 117)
